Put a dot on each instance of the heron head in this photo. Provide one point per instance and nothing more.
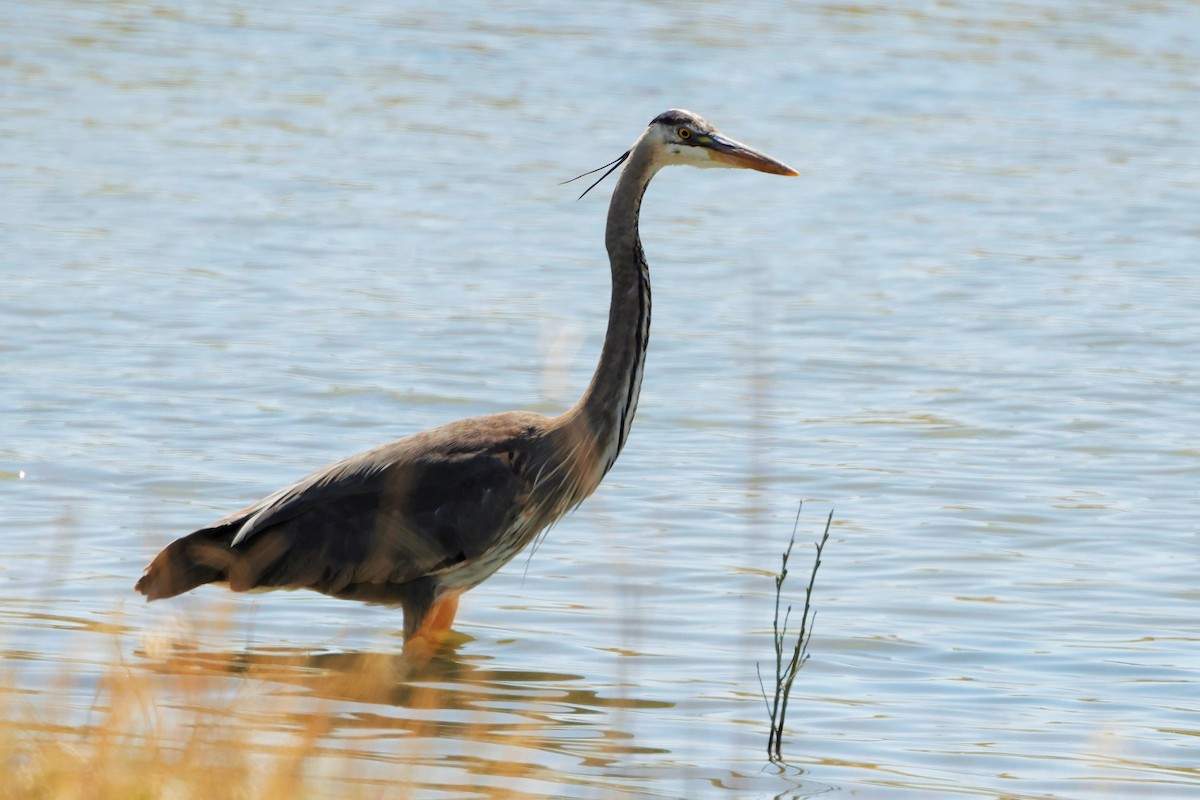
(681, 137)
(687, 138)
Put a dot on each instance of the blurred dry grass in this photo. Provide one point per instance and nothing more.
(133, 746)
(190, 724)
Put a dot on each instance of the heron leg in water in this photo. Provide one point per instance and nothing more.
(437, 621)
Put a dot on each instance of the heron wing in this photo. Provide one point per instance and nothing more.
(389, 515)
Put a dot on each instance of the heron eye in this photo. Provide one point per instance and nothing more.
(684, 133)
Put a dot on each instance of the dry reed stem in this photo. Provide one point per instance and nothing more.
(786, 671)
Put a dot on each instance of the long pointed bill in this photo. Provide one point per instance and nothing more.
(735, 154)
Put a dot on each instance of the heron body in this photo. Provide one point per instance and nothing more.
(417, 522)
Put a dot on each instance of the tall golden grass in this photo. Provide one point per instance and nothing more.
(130, 745)
(193, 724)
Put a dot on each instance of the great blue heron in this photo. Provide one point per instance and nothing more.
(417, 522)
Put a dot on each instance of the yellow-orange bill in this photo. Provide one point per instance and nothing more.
(736, 154)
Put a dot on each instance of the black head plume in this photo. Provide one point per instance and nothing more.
(612, 165)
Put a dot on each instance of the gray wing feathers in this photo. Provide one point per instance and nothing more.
(384, 516)
(356, 475)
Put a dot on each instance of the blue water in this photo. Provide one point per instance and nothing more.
(239, 243)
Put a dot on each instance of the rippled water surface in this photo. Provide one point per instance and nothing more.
(241, 240)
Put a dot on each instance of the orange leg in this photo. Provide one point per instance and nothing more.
(437, 622)
(441, 616)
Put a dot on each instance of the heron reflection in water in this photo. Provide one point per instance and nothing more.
(417, 522)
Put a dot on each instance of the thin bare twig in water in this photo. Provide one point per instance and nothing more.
(786, 671)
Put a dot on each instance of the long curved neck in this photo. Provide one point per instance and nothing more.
(605, 412)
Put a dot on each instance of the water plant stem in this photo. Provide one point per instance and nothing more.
(786, 671)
